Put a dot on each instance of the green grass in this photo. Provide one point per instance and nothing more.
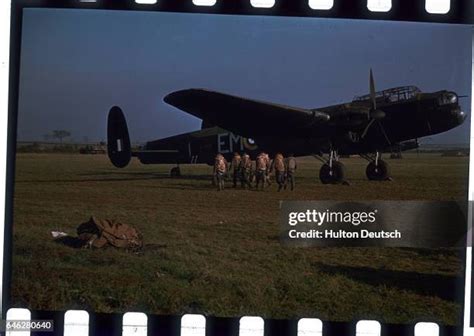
(222, 255)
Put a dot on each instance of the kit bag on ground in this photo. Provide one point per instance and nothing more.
(103, 232)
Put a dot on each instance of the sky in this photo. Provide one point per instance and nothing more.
(77, 64)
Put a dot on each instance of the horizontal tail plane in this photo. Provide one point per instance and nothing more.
(171, 150)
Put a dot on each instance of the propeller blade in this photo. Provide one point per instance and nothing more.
(364, 133)
(382, 130)
(372, 91)
(384, 133)
(373, 114)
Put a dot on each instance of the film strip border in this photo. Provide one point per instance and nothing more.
(443, 11)
(469, 293)
(81, 323)
(84, 323)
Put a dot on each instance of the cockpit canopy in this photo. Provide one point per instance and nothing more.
(392, 95)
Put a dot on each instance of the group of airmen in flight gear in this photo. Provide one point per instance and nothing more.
(244, 172)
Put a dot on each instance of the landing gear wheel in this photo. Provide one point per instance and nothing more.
(380, 172)
(333, 175)
(175, 172)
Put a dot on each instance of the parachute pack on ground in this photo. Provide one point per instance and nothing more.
(100, 233)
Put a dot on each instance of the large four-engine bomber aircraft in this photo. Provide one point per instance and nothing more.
(368, 125)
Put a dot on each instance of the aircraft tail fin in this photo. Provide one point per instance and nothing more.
(118, 140)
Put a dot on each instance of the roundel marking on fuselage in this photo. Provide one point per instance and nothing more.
(249, 143)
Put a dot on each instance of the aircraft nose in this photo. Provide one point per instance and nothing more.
(462, 116)
(459, 115)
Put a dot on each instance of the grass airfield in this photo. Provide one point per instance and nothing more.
(218, 253)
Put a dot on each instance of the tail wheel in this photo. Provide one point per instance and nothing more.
(379, 172)
(175, 172)
(332, 175)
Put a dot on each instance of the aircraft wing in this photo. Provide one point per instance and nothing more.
(244, 116)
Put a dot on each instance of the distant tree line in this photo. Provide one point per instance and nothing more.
(57, 134)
